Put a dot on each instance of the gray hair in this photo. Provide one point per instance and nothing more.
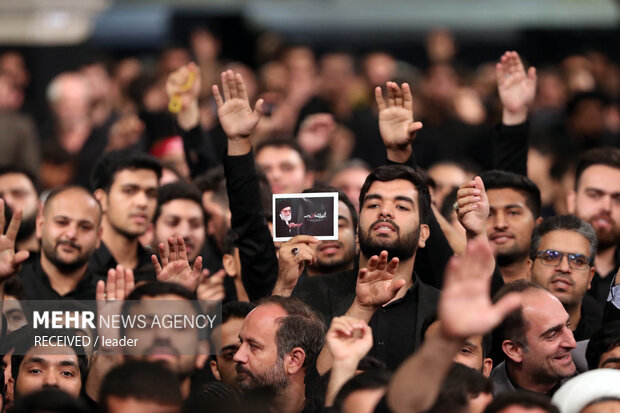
(563, 222)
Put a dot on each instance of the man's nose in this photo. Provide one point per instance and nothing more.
(564, 265)
(499, 220)
(240, 355)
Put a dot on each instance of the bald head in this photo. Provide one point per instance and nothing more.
(81, 195)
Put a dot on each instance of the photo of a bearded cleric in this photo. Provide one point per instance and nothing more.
(305, 214)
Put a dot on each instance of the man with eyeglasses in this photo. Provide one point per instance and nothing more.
(561, 260)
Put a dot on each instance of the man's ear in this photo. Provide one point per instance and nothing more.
(294, 361)
(528, 268)
(571, 201)
(425, 232)
(487, 366)
(513, 351)
(228, 262)
(538, 221)
(309, 180)
(201, 360)
(592, 271)
(214, 370)
(102, 197)
(39, 224)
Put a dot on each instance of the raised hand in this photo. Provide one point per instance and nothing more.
(465, 308)
(396, 123)
(517, 88)
(315, 131)
(183, 89)
(10, 261)
(376, 285)
(110, 295)
(236, 116)
(294, 255)
(175, 264)
(211, 287)
(348, 339)
(473, 207)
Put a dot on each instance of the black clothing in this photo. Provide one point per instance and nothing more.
(600, 285)
(37, 284)
(102, 260)
(199, 151)
(396, 327)
(259, 265)
(510, 146)
(591, 317)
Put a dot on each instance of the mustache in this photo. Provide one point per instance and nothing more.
(562, 277)
(161, 344)
(69, 243)
(240, 369)
(389, 221)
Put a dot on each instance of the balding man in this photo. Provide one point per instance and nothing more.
(70, 230)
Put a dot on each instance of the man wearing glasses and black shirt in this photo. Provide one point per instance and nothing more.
(562, 261)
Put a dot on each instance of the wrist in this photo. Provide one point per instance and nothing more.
(346, 364)
(514, 117)
(360, 311)
(399, 154)
(239, 145)
(189, 117)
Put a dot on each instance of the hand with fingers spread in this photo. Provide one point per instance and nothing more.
(376, 285)
(465, 308)
(183, 89)
(10, 261)
(396, 123)
(236, 116)
(517, 88)
(110, 295)
(294, 255)
(175, 266)
(473, 207)
(211, 287)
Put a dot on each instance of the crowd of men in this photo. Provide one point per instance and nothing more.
(457, 283)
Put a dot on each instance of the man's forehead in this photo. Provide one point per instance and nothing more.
(75, 205)
(542, 310)
(600, 176)
(499, 197)
(263, 318)
(565, 241)
(393, 189)
(13, 180)
(181, 208)
(273, 155)
(140, 177)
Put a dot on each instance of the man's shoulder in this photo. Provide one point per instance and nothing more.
(333, 281)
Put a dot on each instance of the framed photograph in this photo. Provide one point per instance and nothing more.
(305, 214)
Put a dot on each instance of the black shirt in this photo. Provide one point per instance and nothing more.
(102, 260)
(37, 284)
(591, 317)
(396, 327)
(600, 285)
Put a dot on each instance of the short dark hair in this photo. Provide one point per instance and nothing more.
(214, 180)
(501, 179)
(302, 327)
(16, 169)
(236, 309)
(388, 173)
(598, 156)
(286, 143)
(156, 288)
(108, 165)
(62, 189)
(368, 380)
(563, 222)
(515, 325)
(27, 339)
(341, 197)
(603, 340)
(461, 384)
(177, 190)
(521, 398)
(141, 380)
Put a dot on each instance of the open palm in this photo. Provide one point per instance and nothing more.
(234, 112)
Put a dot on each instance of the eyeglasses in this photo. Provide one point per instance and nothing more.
(553, 257)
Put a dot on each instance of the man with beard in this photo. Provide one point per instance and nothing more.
(596, 200)
(18, 189)
(514, 211)
(179, 212)
(556, 238)
(536, 340)
(125, 184)
(280, 340)
(69, 226)
(395, 205)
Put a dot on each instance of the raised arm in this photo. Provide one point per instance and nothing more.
(259, 265)
(517, 89)
(396, 124)
(465, 309)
